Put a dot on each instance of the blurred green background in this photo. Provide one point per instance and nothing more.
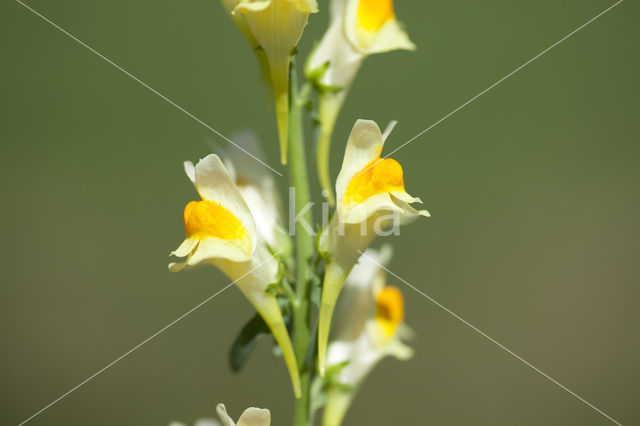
(533, 190)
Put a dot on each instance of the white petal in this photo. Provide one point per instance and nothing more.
(339, 352)
(376, 204)
(387, 131)
(177, 266)
(214, 183)
(206, 422)
(363, 146)
(391, 37)
(397, 349)
(190, 170)
(265, 214)
(255, 417)
(344, 60)
(216, 248)
(224, 417)
(243, 163)
(185, 248)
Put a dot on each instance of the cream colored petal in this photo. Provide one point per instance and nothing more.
(409, 212)
(397, 349)
(185, 248)
(244, 167)
(177, 266)
(363, 146)
(391, 37)
(404, 332)
(376, 204)
(216, 248)
(344, 61)
(224, 417)
(252, 5)
(255, 417)
(190, 170)
(206, 422)
(387, 131)
(364, 358)
(366, 270)
(265, 214)
(258, 188)
(357, 300)
(339, 351)
(404, 196)
(214, 183)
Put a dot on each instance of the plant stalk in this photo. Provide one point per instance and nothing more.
(304, 251)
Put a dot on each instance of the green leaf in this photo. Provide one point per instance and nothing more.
(246, 341)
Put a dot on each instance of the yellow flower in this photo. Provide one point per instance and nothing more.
(369, 327)
(220, 230)
(274, 26)
(358, 28)
(371, 198)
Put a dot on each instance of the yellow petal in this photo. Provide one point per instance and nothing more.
(371, 27)
(389, 309)
(382, 175)
(206, 218)
(373, 14)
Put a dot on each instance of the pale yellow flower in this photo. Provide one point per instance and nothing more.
(274, 26)
(369, 326)
(357, 28)
(371, 197)
(221, 230)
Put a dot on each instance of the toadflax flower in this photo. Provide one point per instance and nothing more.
(369, 327)
(370, 197)
(250, 417)
(357, 28)
(221, 230)
(274, 26)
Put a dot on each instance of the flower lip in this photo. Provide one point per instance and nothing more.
(389, 309)
(208, 219)
(382, 175)
(371, 27)
(373, 14)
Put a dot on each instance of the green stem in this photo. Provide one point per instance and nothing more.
(304, 251)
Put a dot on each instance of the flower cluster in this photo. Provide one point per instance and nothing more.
(237, 224)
